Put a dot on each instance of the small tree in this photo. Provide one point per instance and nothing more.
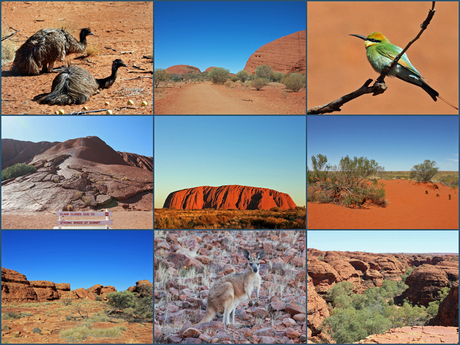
(424, 171)
(242, 75)
(16, 170)
(259, 83)
(218, 75)
(160, 75)
(264, 71)
(293, 82)
(278, 76)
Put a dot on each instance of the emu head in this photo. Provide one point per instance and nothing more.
(253, 263)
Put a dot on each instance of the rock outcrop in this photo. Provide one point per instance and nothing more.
(16, 288)
(140, 287)
(316, 313)
(424, 283)
(228, 197)
(448, 310)
(82, 172)
(286, 54)
(183, 69)
(18, 151)
(415, 335)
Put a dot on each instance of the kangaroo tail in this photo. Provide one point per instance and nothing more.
(210, 313)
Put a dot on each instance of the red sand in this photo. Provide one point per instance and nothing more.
(409, 208)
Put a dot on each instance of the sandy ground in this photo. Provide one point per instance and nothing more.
(409, 208)
(337, 63)
(122, 219)
(208, 98)
(123, 30)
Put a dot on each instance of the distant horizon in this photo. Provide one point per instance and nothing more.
(80, 258)
(363, 251)
(132, 134)
(388, 241)
(220, 33)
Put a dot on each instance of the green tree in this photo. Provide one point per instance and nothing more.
(424, 171)
(294, 82)
(243, 75)
(160, 75)
(264, 71)
(17, 170)
(218, 75)
(278, 76)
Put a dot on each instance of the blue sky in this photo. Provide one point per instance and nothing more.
(81, 258)
(220, 33)
(132, 134)
(395, 142)
(256, 151)
(385, 241)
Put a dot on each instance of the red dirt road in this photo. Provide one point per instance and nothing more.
(208, 98)
(409, 208)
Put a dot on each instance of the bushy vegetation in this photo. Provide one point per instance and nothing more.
(424, 171)
(16, 170)
(294, 82)
(160, 75)
(133, 305)
(264, 72)
(258, 83)
(278, 76)
(218, 75)
(356, 316)
(347, 184)
(243, 75)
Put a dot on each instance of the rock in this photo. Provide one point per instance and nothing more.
(207, 70)
(285, 55)
(102, 200)
(63, 287)
(228, 197)
(107, 289)
(45, 290)
(317, 311)
(18, 151)
(415, 334)
(140, 285)
(448, 310)
(424, 283)
(16, 287)
(292, 333)
(137, 161)
(183, 69)
(96, 289)
(81, 293)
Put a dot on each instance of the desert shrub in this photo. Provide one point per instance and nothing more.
(278, 76)
(294, 82)
(122, 299)
(258, 83)
(264, 72)
(17, 170)
(82, 332)
(67, 301)
(424, 171)
(218, 75)
(176, 78)
(37, 330)
(160, 75)
(243, 75)
(230, 84)
(346, 184)
(275, 209)
(233, 78)
(140, 305)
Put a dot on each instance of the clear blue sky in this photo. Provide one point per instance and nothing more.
(395, 142)
(256, 151)
(132, 134)
(418, 241)
(80, 258)
(221, 33)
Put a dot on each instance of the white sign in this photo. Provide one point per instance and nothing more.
(84, 214)
(85, 222)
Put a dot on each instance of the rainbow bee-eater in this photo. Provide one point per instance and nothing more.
(380, 53)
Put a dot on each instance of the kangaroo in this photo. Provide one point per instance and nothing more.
(232, 289)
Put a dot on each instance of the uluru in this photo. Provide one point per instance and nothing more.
(286, 54)
(228, 197)
(82, 173)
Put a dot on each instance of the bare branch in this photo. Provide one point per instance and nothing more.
(379, 85)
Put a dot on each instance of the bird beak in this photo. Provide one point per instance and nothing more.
(359, 36)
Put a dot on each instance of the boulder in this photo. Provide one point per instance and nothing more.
(448, 310)
(16, 287)
(139, 287)
(228, 197)
(45, 290)
(286, 54)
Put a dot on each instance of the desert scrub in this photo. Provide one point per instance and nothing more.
(346, 184)
(243, 75)
(230, 84)
(160, 75)
(17, 170)
(218, 75)
(293, 82)
(258, 83)
(424, 171)
(82, 332)
(264, 72)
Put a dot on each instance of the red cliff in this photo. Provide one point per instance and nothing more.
(228, 197)
(286, 54)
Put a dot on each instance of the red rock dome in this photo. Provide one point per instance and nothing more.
(183, 69)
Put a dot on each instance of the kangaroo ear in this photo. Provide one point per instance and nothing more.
(261, 254)
(246, 254)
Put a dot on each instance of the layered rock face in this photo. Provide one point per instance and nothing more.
(17, 151)
(79, 172)
(317, 311)
(16, 288)
(228, 197)
(286, 54)
(448, 310)
(424, 283)
(183, 69)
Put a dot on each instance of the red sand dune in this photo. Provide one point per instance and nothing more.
(228, 197)
(182, 69)
(409, 208)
